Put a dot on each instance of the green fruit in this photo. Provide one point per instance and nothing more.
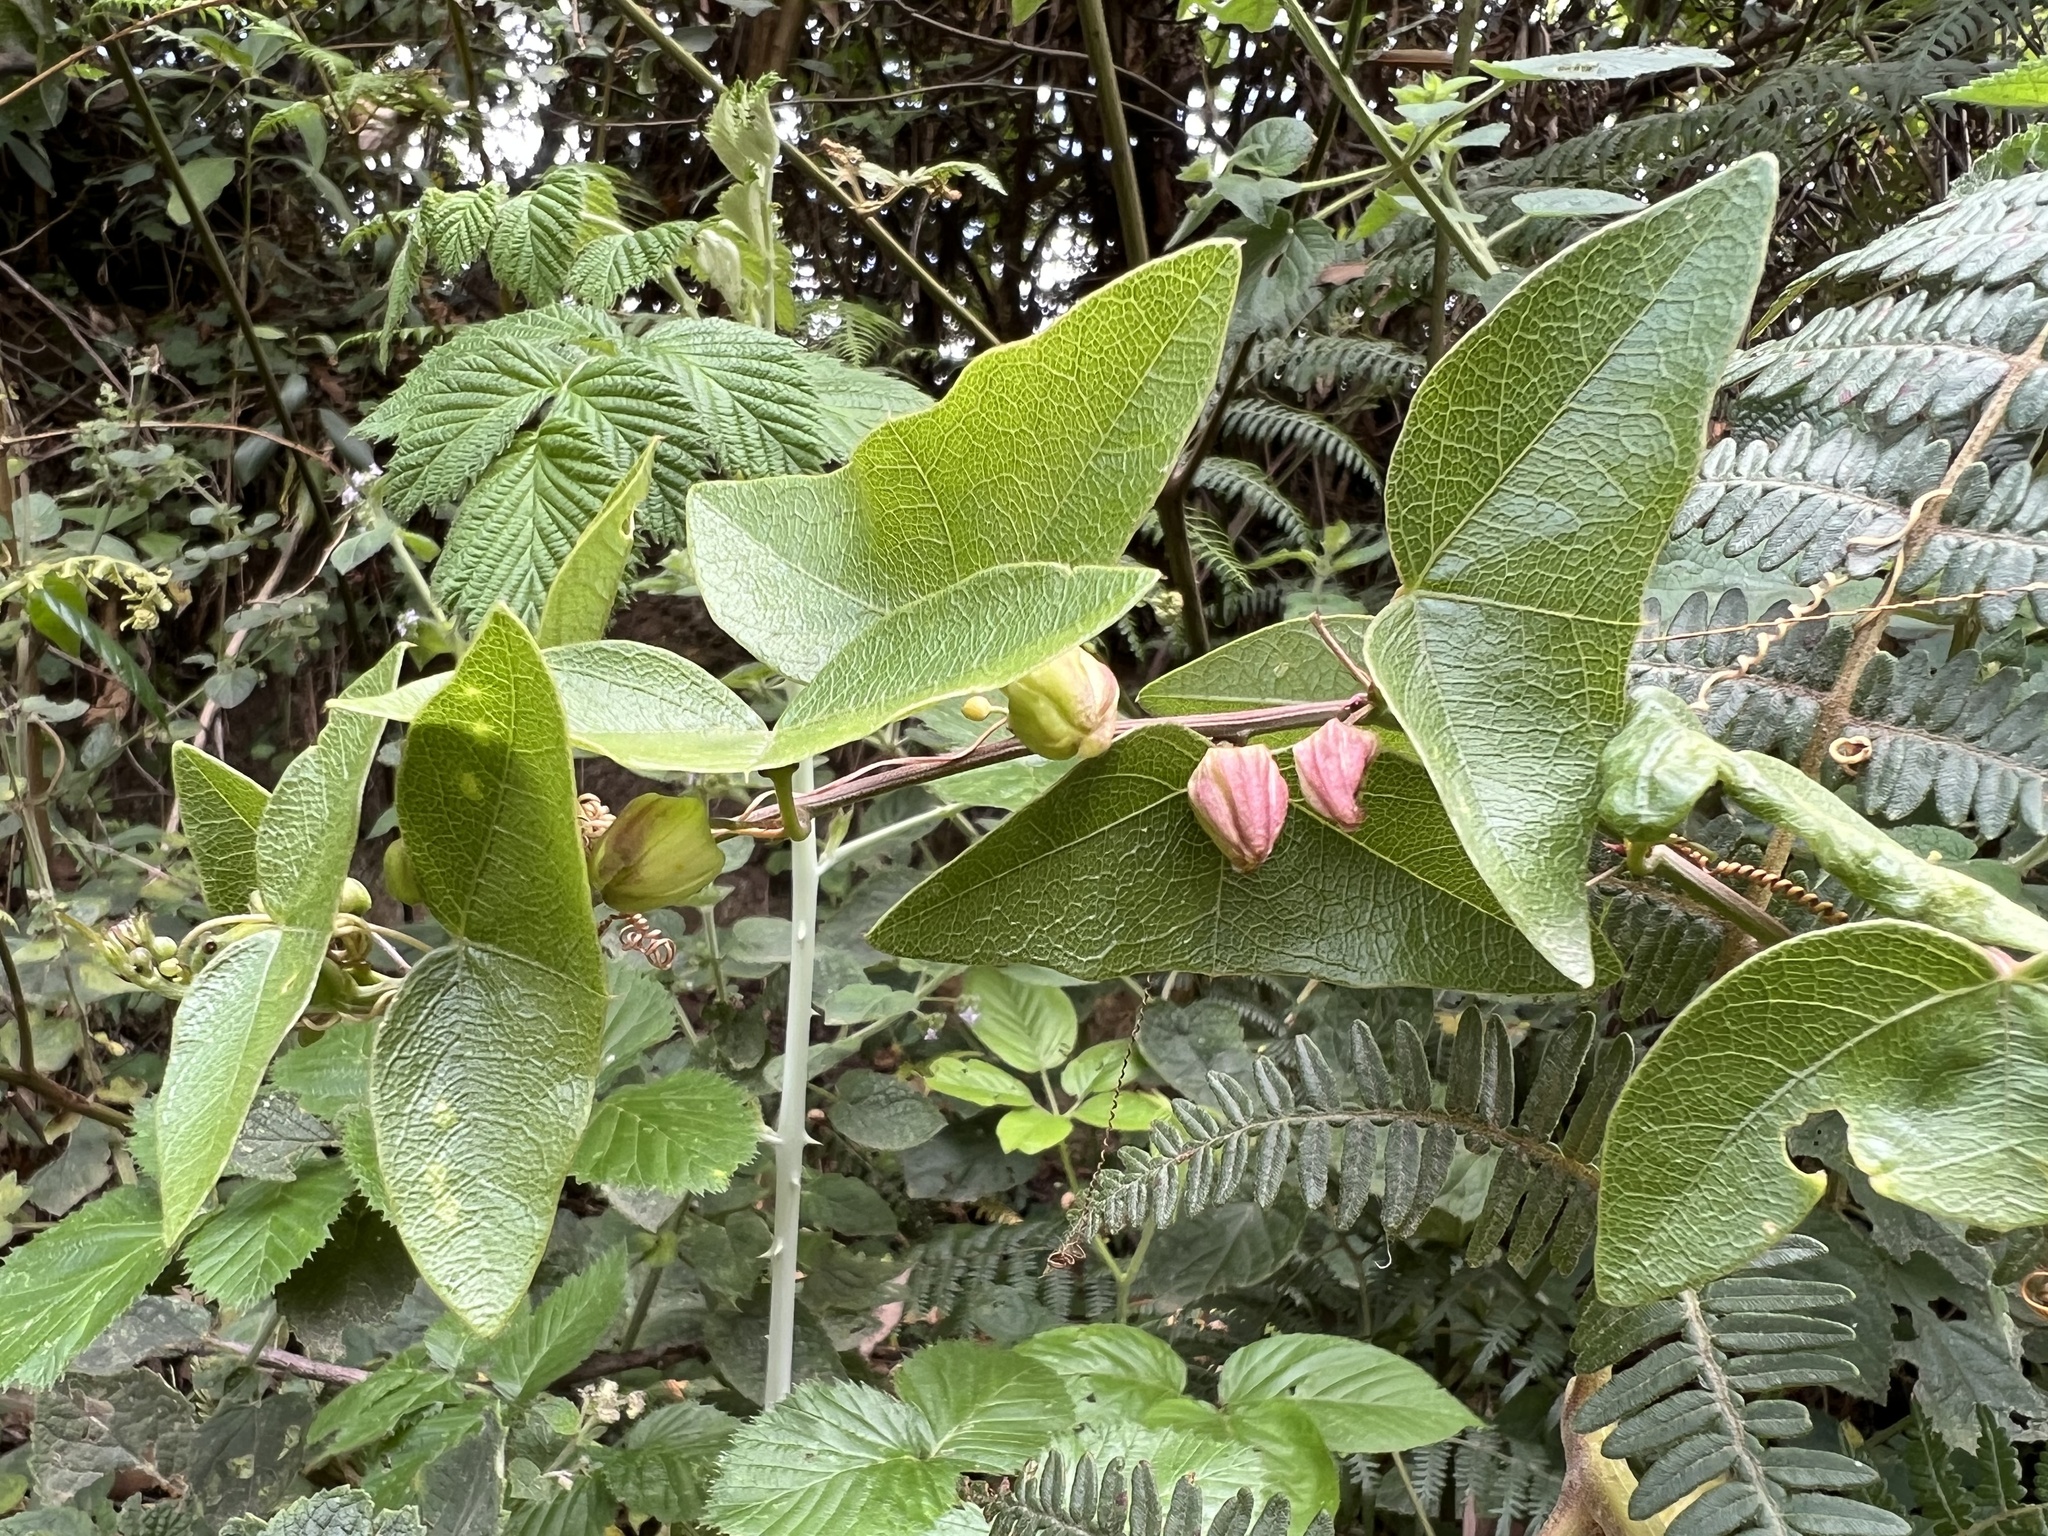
(399, 877)
(1066, 708)
(355, 897)
(658, 852)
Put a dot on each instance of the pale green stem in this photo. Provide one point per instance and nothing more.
(1414, 1498)
(907, 827)
(789, 1120)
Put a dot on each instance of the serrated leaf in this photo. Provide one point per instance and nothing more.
(58, 1290)
(2022, 88)
(1074, 432)
(682, 1134)
(560, 1333)
(523, 519)
(990, 1410)
(580, 598)
(238, 1010)
(1120, 1369)
(1532, 488)
(482, 1071)
(330, 1075)
(264, 1232)
(1362, 1399)
(1938, 1063)
(221, 808)
(833, 1456)
(371, 1409)
(665, 1467)
(1030, 1025)
(983, 632)
(751, 389)
(1109, 874)
(646, 709)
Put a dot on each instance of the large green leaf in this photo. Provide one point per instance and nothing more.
(523, 519)
(646, 709)
(989, 1410)
(1531, 490)
(58, 1290)
(1109, 874)
(1936, 1057)
(558, 1335)
(1286, 663)
(1362, 1399)
(682, 1134)
(833, 1456)
(236, 1015)
(1045, 450)
(1031, 1025)
(1115, 1371)
(264, 1232)
(482, 1072)
(580, 598)
(221, 808)
(983, 632)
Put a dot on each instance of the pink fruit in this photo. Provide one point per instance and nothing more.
(1241, 801)
(1330, 766)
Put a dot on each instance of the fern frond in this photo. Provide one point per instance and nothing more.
(1369, 366)
(1273, 425)
(1668, 950)
(851, 331)
(1691, 1407)
(1210, 542)
(1979, 747)
(1054, 1499)
(1994, 234)
(1542, 1189)
(1910, 357)
(1246, 485)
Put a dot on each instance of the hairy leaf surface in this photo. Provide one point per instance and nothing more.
(58, 1290)
(222, 808)
(682, 1134)
(580, 598)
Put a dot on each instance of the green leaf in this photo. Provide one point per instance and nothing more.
(240, 1007)
(983, 632)
(1362, 1399)
(751, 390)
(1028, 1024)
(2023, 88)
(1298, 1463)
(975, 1081)
(221, 809)
(1109, 874)
(208, 176)
(1120, 1369)
(1285, 663)
(1604, 63)
(884, 1114)
(1938, 1062)
(579, 601)
(684, 1134)
(1527, 500)
(833, 1456)
(1224, 1248)
(840, 1203)
(524, 518)
(562, 1332)
(65, 1284)
(646, 709)
(990, 1410)
(482, 1072)
(666, 1465)
(1135, 1109)
(1099, 1069)
(1032, 1130)
(372, 1408)
(329, 1075)
(1072, 434)
(265, 1232)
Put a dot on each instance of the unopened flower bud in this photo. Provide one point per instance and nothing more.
(1241, 801)
(355, 898)
(976, 707)
(1066, 708)
(658, 852)
(1331, 765)
(400, 879)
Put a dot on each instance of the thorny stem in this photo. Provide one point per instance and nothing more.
(790, 1138)
(768, 823)
(1921, 524)
(1123, 169)
(819, 177)
(1462, 236)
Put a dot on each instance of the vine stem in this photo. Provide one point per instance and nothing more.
(806, 804)
(819, 177)
(1476, 255)
(790, 1138)
(1123, 168)
(1921, 525)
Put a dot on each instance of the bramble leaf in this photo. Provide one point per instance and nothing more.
(682, 1134)
(265, 1232)
(58, 1290)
